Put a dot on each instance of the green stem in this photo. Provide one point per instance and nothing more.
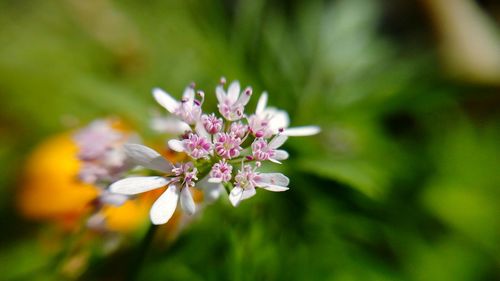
(227, 187)
(140, 256)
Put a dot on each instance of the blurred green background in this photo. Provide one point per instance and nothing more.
(403, 183)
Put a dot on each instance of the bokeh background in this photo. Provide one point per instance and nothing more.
(403, 183)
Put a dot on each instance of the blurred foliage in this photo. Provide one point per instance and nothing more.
(402, 184)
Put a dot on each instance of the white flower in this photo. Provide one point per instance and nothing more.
(268, 121)
(248, 179)
(194, 145)
(232, 103)
(262, 151)
(178, 181)
(212, 146)
(188, 109)
(197, 145)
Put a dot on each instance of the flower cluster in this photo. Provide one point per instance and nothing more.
(101, 152)
(223, 151)
(103, 158)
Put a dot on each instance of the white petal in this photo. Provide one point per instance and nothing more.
(165, 100)
(302, 131)
(277, 141)
(169, 125)
(261, 104)
(114, 199)
(201, 131)
(188, 93)
(135, 185)
(176, 145)
(279, 120)
(147, 157)
(221, 95)
(247, 193)
(233, 92)
(276, 182)
(235, 195)
(211, 190)
(244, 97)
(275, 161)
(275, 188)
(214, 180)
(164, 207)
(97, 222)
(187, 202)
(280, 155)
(274, 179)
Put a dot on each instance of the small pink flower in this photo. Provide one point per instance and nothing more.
(227, 145)
(211, 123)
(262, 151)
(101, 152)
(96, 139)
(92, 173)
(248, 179)
(239, 129)
(188, 108)
(196, 146)
(221, 172)
(185, 173)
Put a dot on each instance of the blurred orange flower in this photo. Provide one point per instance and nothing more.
(52, 191)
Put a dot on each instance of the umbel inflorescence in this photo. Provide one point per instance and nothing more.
(222, 151)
